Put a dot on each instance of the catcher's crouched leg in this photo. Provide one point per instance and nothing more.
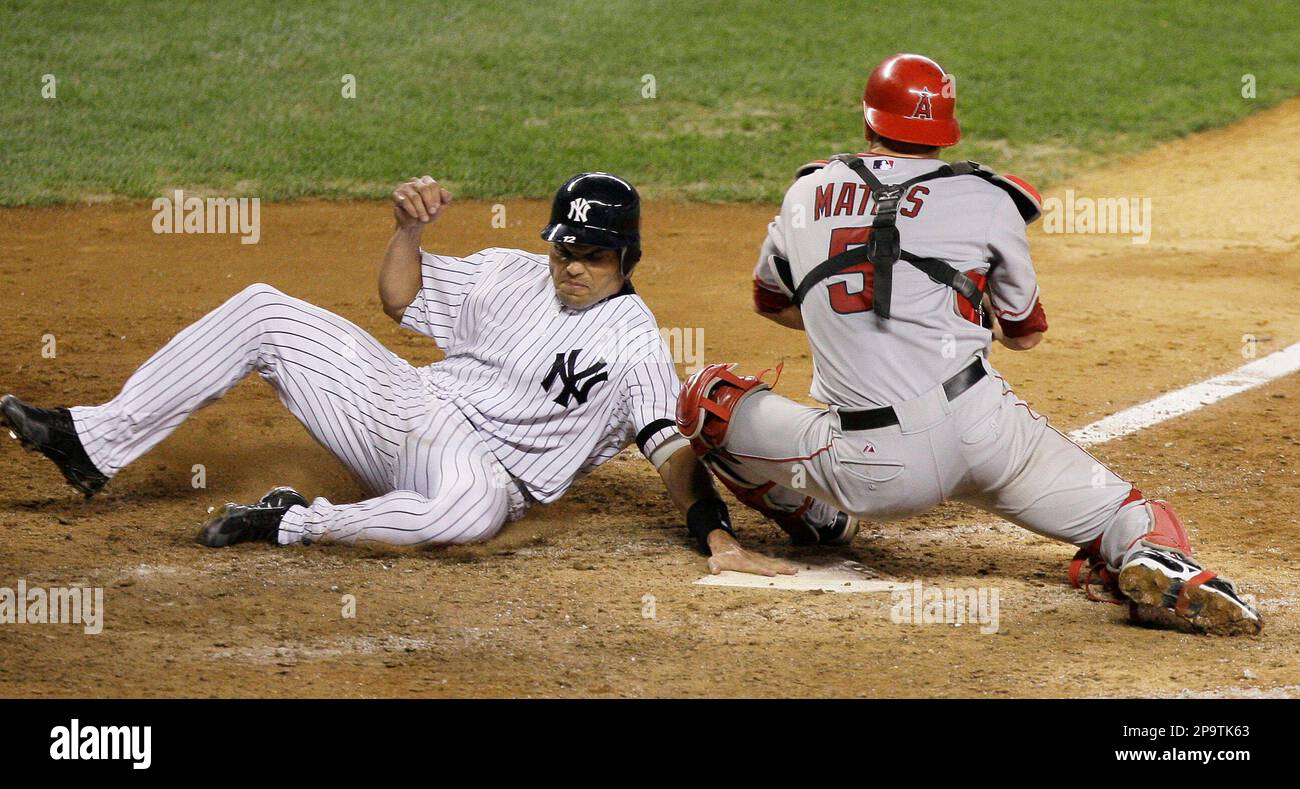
(708, 400)
(1161, 579)
(704, 411)
(1137, 522)
(1158, 576)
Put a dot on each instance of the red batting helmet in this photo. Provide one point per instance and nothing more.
(909, 98)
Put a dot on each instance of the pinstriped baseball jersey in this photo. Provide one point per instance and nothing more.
(552, 391)
(860, 360)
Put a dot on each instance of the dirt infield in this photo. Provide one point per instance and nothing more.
(553, 606)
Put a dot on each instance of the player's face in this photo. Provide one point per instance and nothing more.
(584, 274)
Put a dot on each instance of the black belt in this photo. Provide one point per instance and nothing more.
(873, 418)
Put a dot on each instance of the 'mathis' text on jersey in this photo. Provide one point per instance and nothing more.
(845, 198)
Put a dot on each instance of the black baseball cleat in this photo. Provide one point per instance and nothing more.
(53, 434)
(260, 522)
(1165, 583)
(840, 531)
(283, 496)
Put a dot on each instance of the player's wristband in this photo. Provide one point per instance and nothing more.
(706, 515)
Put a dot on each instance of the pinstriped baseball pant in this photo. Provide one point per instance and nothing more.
(434, 479)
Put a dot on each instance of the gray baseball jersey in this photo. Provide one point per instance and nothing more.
(984, 445)
(861, 361)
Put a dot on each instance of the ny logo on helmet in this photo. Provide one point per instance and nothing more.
(578, 209)
(923, 110)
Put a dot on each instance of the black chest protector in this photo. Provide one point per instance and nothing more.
(884, 248)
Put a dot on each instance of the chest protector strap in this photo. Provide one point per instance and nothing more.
(884, 248)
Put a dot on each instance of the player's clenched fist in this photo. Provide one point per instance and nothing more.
(419, 201)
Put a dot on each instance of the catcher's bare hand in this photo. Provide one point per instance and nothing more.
(419, 201)
(728, 555)
(989, 322)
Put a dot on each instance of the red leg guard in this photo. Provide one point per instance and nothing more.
(755, 498)
(707, 401)
(1167, 530)
(1088, 570)
(704, 410)
(790, 521)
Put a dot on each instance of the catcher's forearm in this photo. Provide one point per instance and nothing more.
(399, 275)
(1022, 343)
(790, 317)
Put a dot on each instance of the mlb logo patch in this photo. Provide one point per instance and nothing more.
(882, 164)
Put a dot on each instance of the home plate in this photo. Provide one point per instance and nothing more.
(836, 576)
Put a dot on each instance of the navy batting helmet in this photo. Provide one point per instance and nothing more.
(601, 210)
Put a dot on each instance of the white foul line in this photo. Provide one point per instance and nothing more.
(1190, 398)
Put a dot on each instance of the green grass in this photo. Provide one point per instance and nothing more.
(507, 98)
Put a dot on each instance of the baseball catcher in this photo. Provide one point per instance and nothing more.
(897, 266)
(553, 365)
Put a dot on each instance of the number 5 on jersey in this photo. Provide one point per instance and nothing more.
(846, 303)
(842, 301)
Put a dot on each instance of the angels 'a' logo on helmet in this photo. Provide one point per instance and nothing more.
(578, 209)
(923, 109)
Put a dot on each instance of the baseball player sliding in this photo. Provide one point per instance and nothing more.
(553, 365)
(887, 260)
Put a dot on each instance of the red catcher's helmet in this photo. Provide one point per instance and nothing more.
(909, 98)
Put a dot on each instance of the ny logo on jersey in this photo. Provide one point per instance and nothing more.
(563, 368)
(923, 110)
(578, 209)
